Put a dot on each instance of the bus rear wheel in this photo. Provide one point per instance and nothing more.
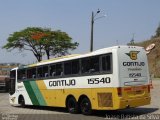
(72, 105)
(22, 101)
(85, 106)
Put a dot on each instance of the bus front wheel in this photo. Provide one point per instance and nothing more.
(85, 106)
(72, 105)
(21, 101)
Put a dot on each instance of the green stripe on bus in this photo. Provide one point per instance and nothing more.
(31, 93)
(38, 93)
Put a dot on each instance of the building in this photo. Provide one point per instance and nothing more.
(4, 75)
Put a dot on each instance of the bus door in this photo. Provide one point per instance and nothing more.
(12, 82)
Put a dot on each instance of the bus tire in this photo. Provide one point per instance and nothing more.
(21, 101)
(85, 106)
(72, 105)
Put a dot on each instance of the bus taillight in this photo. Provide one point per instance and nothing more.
(148, 88)
(119, 90)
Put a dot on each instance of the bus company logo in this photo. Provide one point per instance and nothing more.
(133, 54)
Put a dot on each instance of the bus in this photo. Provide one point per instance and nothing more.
(111, 78)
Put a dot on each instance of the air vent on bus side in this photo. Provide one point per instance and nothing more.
(105, 100)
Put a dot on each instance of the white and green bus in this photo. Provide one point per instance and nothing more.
(107, 79)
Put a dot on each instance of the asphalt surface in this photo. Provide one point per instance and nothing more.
(8, 112)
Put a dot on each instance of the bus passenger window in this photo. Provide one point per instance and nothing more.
(94, 64)
(52, 70)
(90, 65)
(59, 70)
(45, 71)
(31, 73)
(75, 67)
(53, 74)
(85, 65)
(33, 76)
(71, 67)
(106, 63)
(40, 72)
(21, 74)
(67, 68)
(46, 75)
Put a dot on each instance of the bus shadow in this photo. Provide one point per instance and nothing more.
(116, 114)
(122, 114)
(46, 108)
(3, 91)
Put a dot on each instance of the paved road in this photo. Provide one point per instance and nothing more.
(50, 113)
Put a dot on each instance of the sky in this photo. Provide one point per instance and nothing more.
(123, 19)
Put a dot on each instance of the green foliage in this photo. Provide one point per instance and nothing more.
(41, 41)
(158, 31)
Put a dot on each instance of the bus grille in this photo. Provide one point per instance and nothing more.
(105, 100)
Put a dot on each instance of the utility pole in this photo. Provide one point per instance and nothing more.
(92, 23)
(93, 18)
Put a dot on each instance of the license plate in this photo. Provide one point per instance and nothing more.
(137, 88)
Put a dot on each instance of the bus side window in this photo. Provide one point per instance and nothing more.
(39, 72)
(94, 64)
(90, 65)
(75, 67)
(31, 73)
(71, 67)
(46, 75)
(59, 69)
(106, 63)
(85, 65)
(52, 70)
(33, 76)
(68, 68)
(53, 74)
(21, 74)
(45, 71)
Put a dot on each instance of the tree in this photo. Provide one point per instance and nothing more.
(57, 43)
(41, 41)
(158, 31)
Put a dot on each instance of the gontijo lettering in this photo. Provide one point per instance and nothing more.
(71, 82)
(133, 64)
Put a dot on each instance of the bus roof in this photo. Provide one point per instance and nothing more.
(76, 56)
